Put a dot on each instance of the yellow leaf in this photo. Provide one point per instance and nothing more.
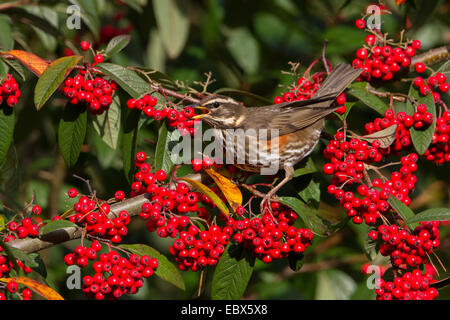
(228, 188)
(37, 287)
(2, 222)
(31, 61)
(209, 193)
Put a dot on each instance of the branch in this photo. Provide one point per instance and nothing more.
(30, 245)
(132, 206)
(432, 56)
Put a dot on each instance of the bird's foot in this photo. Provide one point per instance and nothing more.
(266, 201)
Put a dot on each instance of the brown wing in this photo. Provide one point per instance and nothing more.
(292, 116)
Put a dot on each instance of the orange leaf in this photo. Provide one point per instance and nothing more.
(209, 193)
(37, 287)
(228, 188)
(30, 60)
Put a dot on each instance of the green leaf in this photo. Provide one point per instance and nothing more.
(6, 130)
(127, 79)
(52, 77)
(20, 255)
(334, 285)
(136, 4)
(155, 56)
(55, 225)
(49, 15)
(309, 168)
(348, 107)
(10, 253)
(173, 24)
(435, 214)
(162, 152)
(441, 283)
(232, 273)
(358, 90)
(6, 39)
(309, 216)
(244, 49)
(311, 192)
(296, 261)
(71, 132)
(421, 138)
(270, 28)
(37, 264)
(129, 141)
(402, 209)
(166, 270)
(17, 66)
(370, 247)
(117, 44)
(89, 14)
(2, 222)
(107, 124)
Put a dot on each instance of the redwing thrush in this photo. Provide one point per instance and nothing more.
(295, 126)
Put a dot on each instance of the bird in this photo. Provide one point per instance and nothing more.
(292, 128)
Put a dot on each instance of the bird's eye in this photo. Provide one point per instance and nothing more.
(216, 104)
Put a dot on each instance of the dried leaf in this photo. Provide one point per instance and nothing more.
(228, 188)
(37, 287)
(30, 60)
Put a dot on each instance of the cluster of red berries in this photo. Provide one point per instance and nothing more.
(380, 60)
(420, 120)
(410, 286)
(25, 228)
(97, 222)
(176, 119)
(13, 288)
(347, 158)
(114, 275)
(405, 248)
(305, 89)
(273, 236)
(204, 163)
(96, 93)
(433, 84)
(439, 149)
(6, 265)
(195, 249)
(9, 91)
(347, 165)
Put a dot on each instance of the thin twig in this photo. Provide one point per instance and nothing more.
(85, 181)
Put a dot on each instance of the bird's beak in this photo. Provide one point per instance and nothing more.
(204, 111)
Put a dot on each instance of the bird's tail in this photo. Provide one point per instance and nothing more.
(339, 79)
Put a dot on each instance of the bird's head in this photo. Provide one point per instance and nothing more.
(221, 112)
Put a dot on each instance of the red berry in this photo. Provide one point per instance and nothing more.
(36, 209)
(98, 58)
(84, 45)
(72, 192)
(420, 67)
(360, 23)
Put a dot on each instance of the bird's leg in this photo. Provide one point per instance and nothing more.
(289, 174)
